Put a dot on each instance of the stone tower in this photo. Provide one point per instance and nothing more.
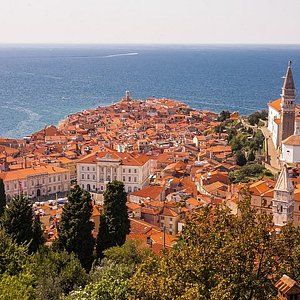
(288, 104)
(283, 201)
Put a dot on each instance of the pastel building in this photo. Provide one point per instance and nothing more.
(96, 170)
(35, 182)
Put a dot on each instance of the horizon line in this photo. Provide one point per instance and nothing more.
(148, 44)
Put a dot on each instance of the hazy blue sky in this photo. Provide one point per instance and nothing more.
(150, 21)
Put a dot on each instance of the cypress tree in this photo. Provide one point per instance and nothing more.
(75, 227)
(38, 237)
(18, 223)
(114, 223)
(2, 197)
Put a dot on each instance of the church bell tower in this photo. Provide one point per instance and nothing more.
(283, 201)
(288, 104)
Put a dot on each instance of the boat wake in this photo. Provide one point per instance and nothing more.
(121, 54)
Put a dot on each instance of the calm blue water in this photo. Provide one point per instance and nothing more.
(40, 85)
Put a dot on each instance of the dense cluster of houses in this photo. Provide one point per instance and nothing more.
(169, 157)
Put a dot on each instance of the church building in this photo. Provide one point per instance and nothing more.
(284, 121)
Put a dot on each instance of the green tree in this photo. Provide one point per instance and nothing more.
(253, 119)
(18, 223)
(251, 156)
(240, 158)
(16, 282)
(13, 257)
(37, 233)
(288, 249)
(57, 273)
(236, 144)
(114, 223)
(75, 227)
(111, 279)
(20, 286)
(219, 256)
(224, 115)
(2, 197)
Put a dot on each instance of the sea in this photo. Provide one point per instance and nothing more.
(42, 84)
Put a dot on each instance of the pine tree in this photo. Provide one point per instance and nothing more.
(38, 238)
(75, 227)
(18, 223)
(114, 223)
(2, 197)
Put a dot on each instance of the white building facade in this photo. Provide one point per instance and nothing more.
(95, 171)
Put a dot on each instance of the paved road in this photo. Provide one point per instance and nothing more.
(272, 154)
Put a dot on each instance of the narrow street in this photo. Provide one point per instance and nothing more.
(272, 155)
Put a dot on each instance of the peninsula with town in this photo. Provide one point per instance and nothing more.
(188, 177)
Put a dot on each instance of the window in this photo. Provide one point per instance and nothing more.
(129, 178)
(94, 177)
(162, 217)
(82, 176)
(82, 168)
(135, 179)
(129, 170)
(88, 168)
(135, 188)
(101, 187)
(88, 176)
(135, 170)
(54, 188)
(31, 182)
(66, 177)
(94, 169)
(123, 178)
(15, 186)
(58, 178)
(94, 187)
(54, 178)
(129, 189)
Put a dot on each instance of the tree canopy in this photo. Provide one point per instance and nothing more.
(2, 197)
(114, 222)
(18, 222)
(75, 227)
(219, 256)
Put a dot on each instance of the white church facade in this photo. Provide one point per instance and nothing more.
(284, 121)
